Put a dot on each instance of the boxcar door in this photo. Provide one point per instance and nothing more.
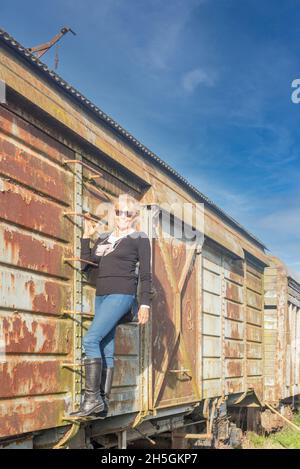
(175, 314)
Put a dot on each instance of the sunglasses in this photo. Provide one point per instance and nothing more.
(124, 212)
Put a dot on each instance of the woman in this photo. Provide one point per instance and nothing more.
(116, 286)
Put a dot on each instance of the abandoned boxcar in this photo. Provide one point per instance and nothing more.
(202, 351)
(282, 333)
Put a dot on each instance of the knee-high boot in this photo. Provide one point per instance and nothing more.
(105, 388)
(92, 402)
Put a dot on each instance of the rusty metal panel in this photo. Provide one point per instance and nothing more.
(32, 377)
(25, 414)
(226, 371)
(35, 334)
(26, 291)
(175, 328)
(254, 288)
(278, 332)
(30, 169)
(273, 363)
(211, 322)
(234, 330)
(36, 284)
(293, 350)
(22, 207)
(211, 368)
(234, 324)
(20, 249)
(22, 131)
(234, 349)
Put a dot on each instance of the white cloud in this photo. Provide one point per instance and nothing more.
(196, 77)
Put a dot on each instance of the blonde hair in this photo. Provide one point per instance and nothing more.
(131, 203)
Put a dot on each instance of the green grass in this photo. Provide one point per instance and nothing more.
(287, 438)
(258, 441)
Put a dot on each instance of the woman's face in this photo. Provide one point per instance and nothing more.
(124, 216)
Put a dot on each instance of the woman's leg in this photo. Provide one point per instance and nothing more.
(91, 347)
(108, 311)
(107, 348)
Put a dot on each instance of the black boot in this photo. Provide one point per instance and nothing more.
(105, 388)
(92, 401)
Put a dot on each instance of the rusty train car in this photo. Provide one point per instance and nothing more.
(212, 344)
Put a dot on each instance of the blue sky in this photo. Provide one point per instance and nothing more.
(205, 84)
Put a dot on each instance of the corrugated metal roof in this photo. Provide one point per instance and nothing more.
(66, 87)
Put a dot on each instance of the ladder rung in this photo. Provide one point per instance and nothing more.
(85, 165)
(71, 365)
(78, 259)
(67, 312)
(97, 174)
(84, 215)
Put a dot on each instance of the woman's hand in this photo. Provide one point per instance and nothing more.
(89, 227)
(143, 314)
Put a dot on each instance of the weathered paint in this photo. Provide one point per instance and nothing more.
(24, 208)
(25, 133)
(32, 377)
(30, 413)
(27, 167)
(175, 329)
(26, 291)
(254, 287)
(232, 325)
(21, 249)
(36, 284)
(282, 333)
(26, 333)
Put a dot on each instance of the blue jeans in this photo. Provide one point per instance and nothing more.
(99, 341)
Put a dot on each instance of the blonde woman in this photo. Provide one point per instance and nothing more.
(116, 254)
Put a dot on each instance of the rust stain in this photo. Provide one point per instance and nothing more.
(29, 415)
(37, 335)
(33, 137)
(234, 311)
(26, 378)
(234, 368)
(34, 172)
(30, 211)
(16, 332)
(29, 252)
(233, 292)
(52, 300)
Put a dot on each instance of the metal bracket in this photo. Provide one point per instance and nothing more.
(95, 174)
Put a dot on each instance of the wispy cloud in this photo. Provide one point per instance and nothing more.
(166, 25)
(192, 79)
